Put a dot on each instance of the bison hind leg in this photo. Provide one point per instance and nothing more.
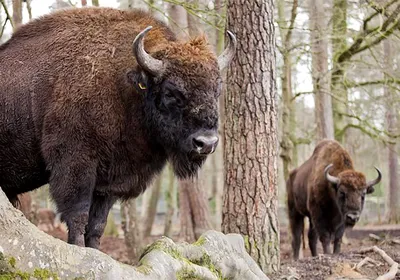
(297, 227)
(312, 239)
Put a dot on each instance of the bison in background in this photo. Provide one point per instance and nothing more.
(328, 191)
(95, 101)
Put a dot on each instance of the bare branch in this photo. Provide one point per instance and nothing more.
(8, 17)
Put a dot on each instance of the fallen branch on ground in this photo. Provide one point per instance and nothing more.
(394, 266)
(366, 260)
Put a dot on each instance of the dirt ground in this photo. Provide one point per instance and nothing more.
(321, 267)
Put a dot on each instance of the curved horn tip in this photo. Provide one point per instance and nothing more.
(379, 173)
(232, 37)
(146, 61)
(329, 177)
(328, 167)
(227, 55)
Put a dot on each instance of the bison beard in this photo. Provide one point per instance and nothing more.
(97, 117)
(328, 191)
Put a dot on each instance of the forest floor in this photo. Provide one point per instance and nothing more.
(342, 266)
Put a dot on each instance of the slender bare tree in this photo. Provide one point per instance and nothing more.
(319, 53)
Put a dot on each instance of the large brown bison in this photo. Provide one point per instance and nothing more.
(328, 191)
(95, 101)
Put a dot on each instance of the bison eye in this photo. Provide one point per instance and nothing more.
(342, 194)
(173, 98)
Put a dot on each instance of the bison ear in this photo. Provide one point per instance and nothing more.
(370, 190)
(139, 80)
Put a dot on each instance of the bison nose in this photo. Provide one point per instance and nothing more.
(205, 144)
(353, 217)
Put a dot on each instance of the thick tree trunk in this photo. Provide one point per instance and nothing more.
(26, 252)
(393, 193)
(131, 228)
(95, 3)
(250, 195)
(17, 13)
(319, 49)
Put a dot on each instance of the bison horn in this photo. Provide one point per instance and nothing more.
(330, 178)
(227, 55)
(146, 61)
(377, 180)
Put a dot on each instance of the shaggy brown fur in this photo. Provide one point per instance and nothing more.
(72, 113)
(329, 207)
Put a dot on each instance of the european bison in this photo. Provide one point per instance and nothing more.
(97, 116)
(328, 191)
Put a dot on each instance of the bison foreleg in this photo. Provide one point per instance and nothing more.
(326, 242)
(101, 205)
(338, 240)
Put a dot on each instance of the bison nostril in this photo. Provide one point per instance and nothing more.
(353, 217)
(205, 144)
(198, 143)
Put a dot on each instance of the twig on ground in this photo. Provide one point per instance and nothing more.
(366, 260)
(374, 237)
(396, 241)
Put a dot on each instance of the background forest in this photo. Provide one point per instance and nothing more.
(338, 76)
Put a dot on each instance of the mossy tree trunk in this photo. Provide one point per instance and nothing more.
(338, 89)
(250, 194)
(288, 143)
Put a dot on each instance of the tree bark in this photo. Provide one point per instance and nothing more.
(26, 252)
(250, 195)
(393, 193)
(151, 211)
(319, 52)
(131, 228)
(17, 13)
